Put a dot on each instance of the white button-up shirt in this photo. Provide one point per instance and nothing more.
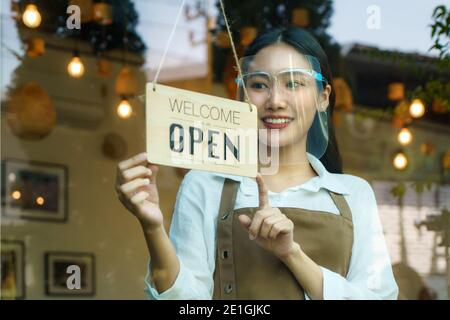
(194, 221)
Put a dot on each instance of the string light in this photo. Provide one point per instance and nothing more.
(75, 66)
(417, 108)
(400, 161)
(124, 109)
(404, 137)
(16, 195)
(40, 201)
(31, 16)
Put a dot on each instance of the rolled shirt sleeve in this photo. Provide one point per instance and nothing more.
(370, 274)
(194, 280)
(173, 293)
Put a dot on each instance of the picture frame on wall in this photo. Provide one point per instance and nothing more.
(12, 270)
(64, 269)
(34, 190)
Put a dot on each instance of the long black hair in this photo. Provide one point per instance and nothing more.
(306, 44)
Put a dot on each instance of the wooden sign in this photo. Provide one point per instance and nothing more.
(197, 131)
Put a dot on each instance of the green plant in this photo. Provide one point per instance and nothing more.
(420, 186)
(440, 31)
(399, 190)
(433, 90)
(438, 89)
(120, 34)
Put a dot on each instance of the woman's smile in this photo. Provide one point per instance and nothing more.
(276, 122)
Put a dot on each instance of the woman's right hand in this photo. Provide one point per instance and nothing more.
(137, 190)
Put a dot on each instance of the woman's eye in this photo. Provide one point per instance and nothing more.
(258, 85)
(293, 84)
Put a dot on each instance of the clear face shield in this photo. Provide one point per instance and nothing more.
(289, 91)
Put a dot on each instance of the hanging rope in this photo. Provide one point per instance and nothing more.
(168, 44)
(232, 46)
(236, 59)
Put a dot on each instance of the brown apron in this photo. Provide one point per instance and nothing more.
(244, 270)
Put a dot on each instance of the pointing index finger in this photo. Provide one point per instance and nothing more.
(263, 193)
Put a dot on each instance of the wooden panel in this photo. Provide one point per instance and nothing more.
(208, 133)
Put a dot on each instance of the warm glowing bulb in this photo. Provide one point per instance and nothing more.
(124, 109)
(31, 16)
(75, 67)
(16, 195)
(416, 109)
(40, 201)
(400, 161)
(405, 136)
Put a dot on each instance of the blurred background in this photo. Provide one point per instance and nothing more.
(73, 75)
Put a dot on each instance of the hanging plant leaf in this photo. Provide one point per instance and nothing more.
(399, 190)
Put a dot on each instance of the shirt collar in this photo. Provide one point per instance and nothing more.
(324, 179)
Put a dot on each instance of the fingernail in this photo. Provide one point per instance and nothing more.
(143, 156)
(251, 236)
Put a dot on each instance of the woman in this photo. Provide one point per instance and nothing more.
(307, 231)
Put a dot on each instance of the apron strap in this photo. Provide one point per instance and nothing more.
(225, 240)
(342, 205)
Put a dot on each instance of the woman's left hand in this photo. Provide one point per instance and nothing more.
(270, 228)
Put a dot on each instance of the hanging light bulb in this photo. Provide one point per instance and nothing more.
(75, 66)
(400, 161)
(31, 16)
(124, 109)
(417, 108)
(40, 201)
(404, 136)
(16, 194)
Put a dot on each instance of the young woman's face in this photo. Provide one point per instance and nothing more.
(286, 98)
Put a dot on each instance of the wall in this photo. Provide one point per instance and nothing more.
(367, 147)
(416, 247)
(97, 223)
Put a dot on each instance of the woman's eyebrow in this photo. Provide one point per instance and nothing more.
(306, 71)
(259, 71)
